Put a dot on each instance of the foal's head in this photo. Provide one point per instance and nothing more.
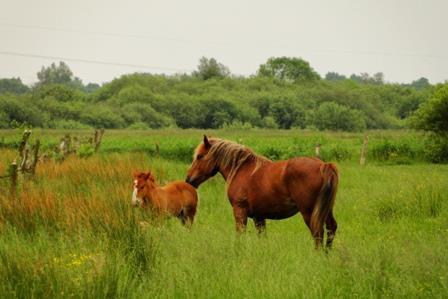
(204, 166)
(143, 183)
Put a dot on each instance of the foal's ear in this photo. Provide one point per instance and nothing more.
(149, 176)
(206, 142)
(136, 173)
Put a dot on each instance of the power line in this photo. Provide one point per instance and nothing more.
(265, 44)
(138, 66)
(109, 34)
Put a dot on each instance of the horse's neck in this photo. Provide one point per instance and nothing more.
(154, 196)
(226, 172)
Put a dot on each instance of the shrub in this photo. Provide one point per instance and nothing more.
(333, 116)
(237, 125)
(139, 126)
(85, 151)
(102, 117)
(269, 123)
(400, 153)
(336, 153)
(287, 113)
(69, 124)
(436, 148)
(272, 153)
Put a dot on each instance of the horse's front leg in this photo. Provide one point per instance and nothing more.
(260, 225)
(240, 214)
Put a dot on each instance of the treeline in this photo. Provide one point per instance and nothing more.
(284, 93)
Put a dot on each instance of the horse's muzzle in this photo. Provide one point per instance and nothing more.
(191, 182)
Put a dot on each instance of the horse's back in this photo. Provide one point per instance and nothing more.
(183, 191)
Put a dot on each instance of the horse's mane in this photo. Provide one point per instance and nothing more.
(232, 156)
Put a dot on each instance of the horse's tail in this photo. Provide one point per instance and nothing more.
(326, 197)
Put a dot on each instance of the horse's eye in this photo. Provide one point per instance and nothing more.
(199, 157)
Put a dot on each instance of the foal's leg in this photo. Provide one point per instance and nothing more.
(240, 214)
(260, 225)
(318, 235)
(332, 226)
(187, 216)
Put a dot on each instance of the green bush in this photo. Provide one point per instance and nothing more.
(436, 148)
(85, 151)
(237, 125)
(139, 126)
(272, 153)
(398, 152)
(69, 125)
(102, 117)
(336, 153)
(333, 116)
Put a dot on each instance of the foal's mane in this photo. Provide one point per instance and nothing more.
(232, 156)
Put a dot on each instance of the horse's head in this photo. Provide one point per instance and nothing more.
(143, 183)
(204, 166)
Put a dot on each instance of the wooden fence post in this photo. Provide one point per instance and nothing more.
(76, 144)
(362, 161)
(35, 157)
(317, 150)
(14, 175)
(22, 145)
(68, 144)
(98, 137)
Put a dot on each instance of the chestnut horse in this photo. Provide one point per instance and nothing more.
(261, 189)
(177, 198)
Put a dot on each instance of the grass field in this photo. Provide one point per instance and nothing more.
(72, 233)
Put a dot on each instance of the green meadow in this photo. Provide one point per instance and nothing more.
(71, 231)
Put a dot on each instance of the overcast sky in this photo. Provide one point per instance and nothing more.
(404, 39)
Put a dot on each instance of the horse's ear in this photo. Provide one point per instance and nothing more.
(135, 173)
(206, 142)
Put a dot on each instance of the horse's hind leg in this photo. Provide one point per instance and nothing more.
(260, 225)
(317, 235)
(332, 226)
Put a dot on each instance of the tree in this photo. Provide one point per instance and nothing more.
(145, 113)
(210, 68)
(332, 116)
(60, 92)
(377, 78)
(216, 113)
(433, 115)
(291, 69)
(287, 114)
(420, 83)
(433, 118)
(20, 111)
(333, 76)
(91, 87)
(13, 85)
(60, 74)
(101, 116)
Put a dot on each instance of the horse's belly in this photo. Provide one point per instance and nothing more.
(272, 209)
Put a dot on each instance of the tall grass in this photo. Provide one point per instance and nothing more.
(71, 233)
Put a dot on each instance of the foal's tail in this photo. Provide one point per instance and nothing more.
(326, 197)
